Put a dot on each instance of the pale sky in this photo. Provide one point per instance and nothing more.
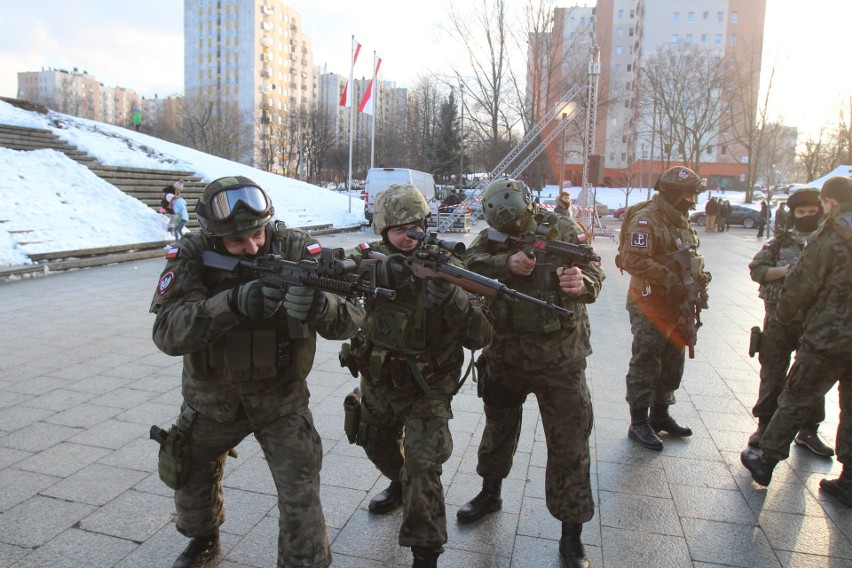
(139, 48)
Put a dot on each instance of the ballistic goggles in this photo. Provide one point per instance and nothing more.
(225, 204)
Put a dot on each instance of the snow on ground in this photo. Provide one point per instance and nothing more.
(49, 203)
(614, 197)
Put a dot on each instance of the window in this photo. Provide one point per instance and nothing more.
(629, 67)
(631, 32)
(690, 17)
(620, 14)
(612, 156)
(629, 50)
(627, 86)
(703, 37)
(688, 38)
(571, 36)
(724, 150)
(735, 17)
(632, 14)
(720, 17)
(619, 32)
(705, 15)
(710, 149)
(624, 139)
(718, 40)
(618, 50)
(733, 39)
(618, 67)
(674, 39)
(627, 103)
(676, 17)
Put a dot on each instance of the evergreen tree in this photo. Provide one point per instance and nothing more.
(446, 142)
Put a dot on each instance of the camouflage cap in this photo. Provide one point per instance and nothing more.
(680, 178)
(804, 196)
(399, 204)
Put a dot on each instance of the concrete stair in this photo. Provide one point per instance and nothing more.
(26, 139)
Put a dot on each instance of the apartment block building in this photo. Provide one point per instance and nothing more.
(251, 54)
(629, 33)
(79, 94)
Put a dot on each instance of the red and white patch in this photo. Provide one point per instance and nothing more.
(313, 249)
(364, 247)
(167, 280)
(643, 222)
(173, 252)
(767, 245)
(582, 237)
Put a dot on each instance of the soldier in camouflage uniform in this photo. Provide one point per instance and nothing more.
(820, 286)
(410, 358)
(247, 349)
(535, 351)
(650, 231)
(779, 340)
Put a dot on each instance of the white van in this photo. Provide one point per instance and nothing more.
(379, 178)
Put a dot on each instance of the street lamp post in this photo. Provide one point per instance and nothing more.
(562, 154)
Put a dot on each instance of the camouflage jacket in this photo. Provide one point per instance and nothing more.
(782, 250)
(396, 333)
(231, 364)
(821, 286)
(651, 230)
(532, 337)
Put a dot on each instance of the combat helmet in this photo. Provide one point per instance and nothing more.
(232, 206)
(680, 178)
(399, 204)
(504, 200)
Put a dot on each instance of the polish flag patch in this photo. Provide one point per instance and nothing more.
(582, 237)
(364, 247)
(643, 222)
(173, 252)
(313, 249)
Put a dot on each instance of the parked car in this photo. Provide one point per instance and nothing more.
(619, 213)
(740, 215)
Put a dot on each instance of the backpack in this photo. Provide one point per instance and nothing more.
(622, 236)
(164, 203)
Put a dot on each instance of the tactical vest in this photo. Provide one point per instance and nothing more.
(254, 350)
(786, 250)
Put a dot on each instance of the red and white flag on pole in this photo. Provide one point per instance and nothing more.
(367, 105)
(345, 98)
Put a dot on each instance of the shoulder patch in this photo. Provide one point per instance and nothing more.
(364, 247)
(642, 222)
(167, 280)
(768, 245)
(639, 240)
(172, 253)
(313, 249)
(581, 236)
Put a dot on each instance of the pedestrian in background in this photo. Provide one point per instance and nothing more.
(820, 287)
(180, 212)
(136, 119)
(247, 349)
(777, 341)
(763, 223)
(781, 217)
(563, 204)
(535, 351)
(711, 211)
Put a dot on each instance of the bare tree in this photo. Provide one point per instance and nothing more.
(216, 127)
(320, 139)
(271, 135)
(687, 86)
(816, 157)
(842, 138)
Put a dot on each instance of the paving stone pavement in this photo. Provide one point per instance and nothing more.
(81, 382)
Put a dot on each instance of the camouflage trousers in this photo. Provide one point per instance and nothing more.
(409, 441)
(777, 344)
(293, 451)
(656, 366)
(566, 415)
(810, 378)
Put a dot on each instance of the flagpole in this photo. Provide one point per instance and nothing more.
(375, 94)
(350, 96)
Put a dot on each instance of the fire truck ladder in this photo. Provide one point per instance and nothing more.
(447, 220)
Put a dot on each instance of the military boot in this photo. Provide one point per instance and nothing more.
(757, 436)
(487, 501)
(760, 466)
(425, 557)
(571, 546)
(661, 421)
(387, 500)
(809, 438)
(201, 551)
(840, 487)
(641, 432)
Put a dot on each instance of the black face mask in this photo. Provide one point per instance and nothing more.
(806, 224)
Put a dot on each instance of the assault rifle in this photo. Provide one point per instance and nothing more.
(330, 272)
(540, 244)
(430, 260)
(694, 299)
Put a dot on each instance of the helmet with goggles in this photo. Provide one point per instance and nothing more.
(232, 206)
(680, 178)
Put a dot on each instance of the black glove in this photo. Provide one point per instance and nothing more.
(254, 300)
(302, 302)
(438, 290)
